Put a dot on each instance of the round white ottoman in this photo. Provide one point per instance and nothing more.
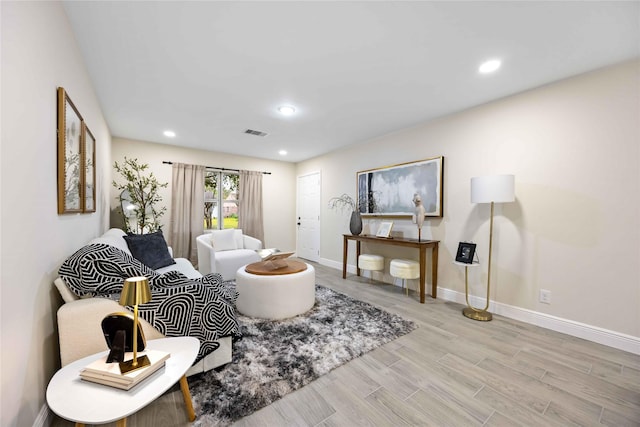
(404, 269)
(276, 296)
(371, 263)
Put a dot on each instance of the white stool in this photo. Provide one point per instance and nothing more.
(370, 262)
(404, 269)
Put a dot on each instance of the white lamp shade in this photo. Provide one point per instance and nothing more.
(496, 188)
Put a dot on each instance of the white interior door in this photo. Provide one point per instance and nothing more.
(308, 220)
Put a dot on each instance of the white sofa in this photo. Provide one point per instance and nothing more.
(79, 320)
(225, 251)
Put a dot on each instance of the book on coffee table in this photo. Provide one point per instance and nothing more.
(278, 256)
(109, 373)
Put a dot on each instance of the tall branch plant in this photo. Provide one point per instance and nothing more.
(143, 195)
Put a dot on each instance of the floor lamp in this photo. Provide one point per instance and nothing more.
(489, 189)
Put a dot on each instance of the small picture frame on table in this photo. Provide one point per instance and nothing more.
(466, 252)
(385, 229)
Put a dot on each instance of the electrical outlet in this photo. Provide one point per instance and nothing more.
(545, 296)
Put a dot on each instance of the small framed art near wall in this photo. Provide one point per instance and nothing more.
(76, 159)
(89, 162)
(389, 190)
(385, 229)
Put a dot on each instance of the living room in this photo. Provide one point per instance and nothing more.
(571, 144)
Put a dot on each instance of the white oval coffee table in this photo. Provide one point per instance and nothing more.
(88, 403)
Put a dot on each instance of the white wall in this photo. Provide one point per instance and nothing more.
(574, 149)
(278, 188)
(39, 53)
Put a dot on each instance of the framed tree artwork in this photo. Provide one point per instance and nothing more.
(76, 160)
(89, 162)
(70, 171)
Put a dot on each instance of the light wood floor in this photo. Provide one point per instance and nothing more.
(451, 371)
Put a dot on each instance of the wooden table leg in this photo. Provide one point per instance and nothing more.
(423, 273)
(79, 424)
(434, 271)
(121, 422)
(184, 386)
(345, 247)
(357, 257)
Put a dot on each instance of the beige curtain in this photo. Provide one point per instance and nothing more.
(187, 205)
(250, 209)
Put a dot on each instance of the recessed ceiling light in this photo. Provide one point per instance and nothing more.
(286, 110)
(489, 66)
(282, 152)
(169, 133)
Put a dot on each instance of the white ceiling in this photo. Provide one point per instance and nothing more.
(353, 70)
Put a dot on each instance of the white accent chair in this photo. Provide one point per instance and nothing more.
(224, 251)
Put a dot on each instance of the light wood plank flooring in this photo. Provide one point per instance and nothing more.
(451, 371)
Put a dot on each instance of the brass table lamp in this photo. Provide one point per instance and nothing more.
(488, 189)
(134, 292)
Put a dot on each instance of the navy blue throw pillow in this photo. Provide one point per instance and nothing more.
(150, 249)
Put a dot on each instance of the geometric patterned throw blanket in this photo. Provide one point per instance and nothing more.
(202, 308)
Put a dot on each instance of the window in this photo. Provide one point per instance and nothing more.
(220, 190)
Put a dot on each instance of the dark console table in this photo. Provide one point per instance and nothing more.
(395, 241)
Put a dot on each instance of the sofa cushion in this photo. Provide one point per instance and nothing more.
(224, 240)
(150, 249)
(183, 266)
(239, 238)
(113, 237)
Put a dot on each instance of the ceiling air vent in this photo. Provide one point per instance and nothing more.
(255, 132)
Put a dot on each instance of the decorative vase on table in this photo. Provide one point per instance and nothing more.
(355, 224)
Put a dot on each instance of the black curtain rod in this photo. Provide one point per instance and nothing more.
(220, 169)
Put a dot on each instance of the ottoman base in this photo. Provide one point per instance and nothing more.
(275, 296)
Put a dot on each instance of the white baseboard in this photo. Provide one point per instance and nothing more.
(581, 330)
(44, 418)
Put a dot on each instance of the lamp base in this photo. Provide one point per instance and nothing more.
(481, 315)
(127, 366)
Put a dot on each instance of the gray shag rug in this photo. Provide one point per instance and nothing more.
(275, 357)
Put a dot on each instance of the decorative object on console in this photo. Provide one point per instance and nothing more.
(345, 202)
(423, 177)
(135, 291)
(466, 252)
(419, 215)
(139, 196)
(76, 159)
(385, 229)
(489, 189)
(355, 223)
